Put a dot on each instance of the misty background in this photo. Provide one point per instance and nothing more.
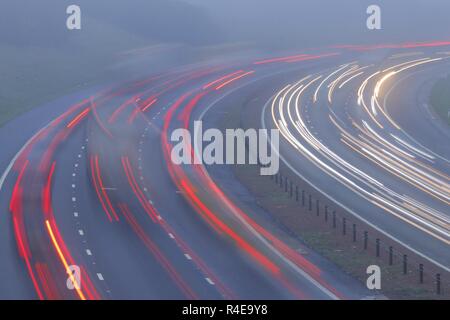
(40, 59)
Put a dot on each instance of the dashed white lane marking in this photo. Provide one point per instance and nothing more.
(159, 217)
(76, 215)
(186, 255)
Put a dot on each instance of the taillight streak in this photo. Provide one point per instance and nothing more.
(100, 190)
(63, 259)
(78, 118)
(131, 220)
(17, 219)
(57, 240)
(234, 79)
(221, 79)
(138, 110)
(137, 191)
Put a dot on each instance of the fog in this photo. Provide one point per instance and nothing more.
(122, 39)
(274, 24)
(300, 23)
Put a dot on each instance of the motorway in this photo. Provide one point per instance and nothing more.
(381, 145)
(88, 181)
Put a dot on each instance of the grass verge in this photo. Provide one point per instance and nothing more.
(320, 237)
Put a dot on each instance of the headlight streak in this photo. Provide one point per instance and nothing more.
(350, 79)
(333, 84)
(389, 75)
(404, 164)
(363, 149)
(391, 194)
(413, 149)
(351, 72)
(372, 137)
(316, 93)
(402, 55)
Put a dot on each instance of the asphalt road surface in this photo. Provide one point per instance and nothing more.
(88, 182)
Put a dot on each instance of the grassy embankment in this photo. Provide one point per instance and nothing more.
(32, 75)
(320, 237)
(440, 98)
